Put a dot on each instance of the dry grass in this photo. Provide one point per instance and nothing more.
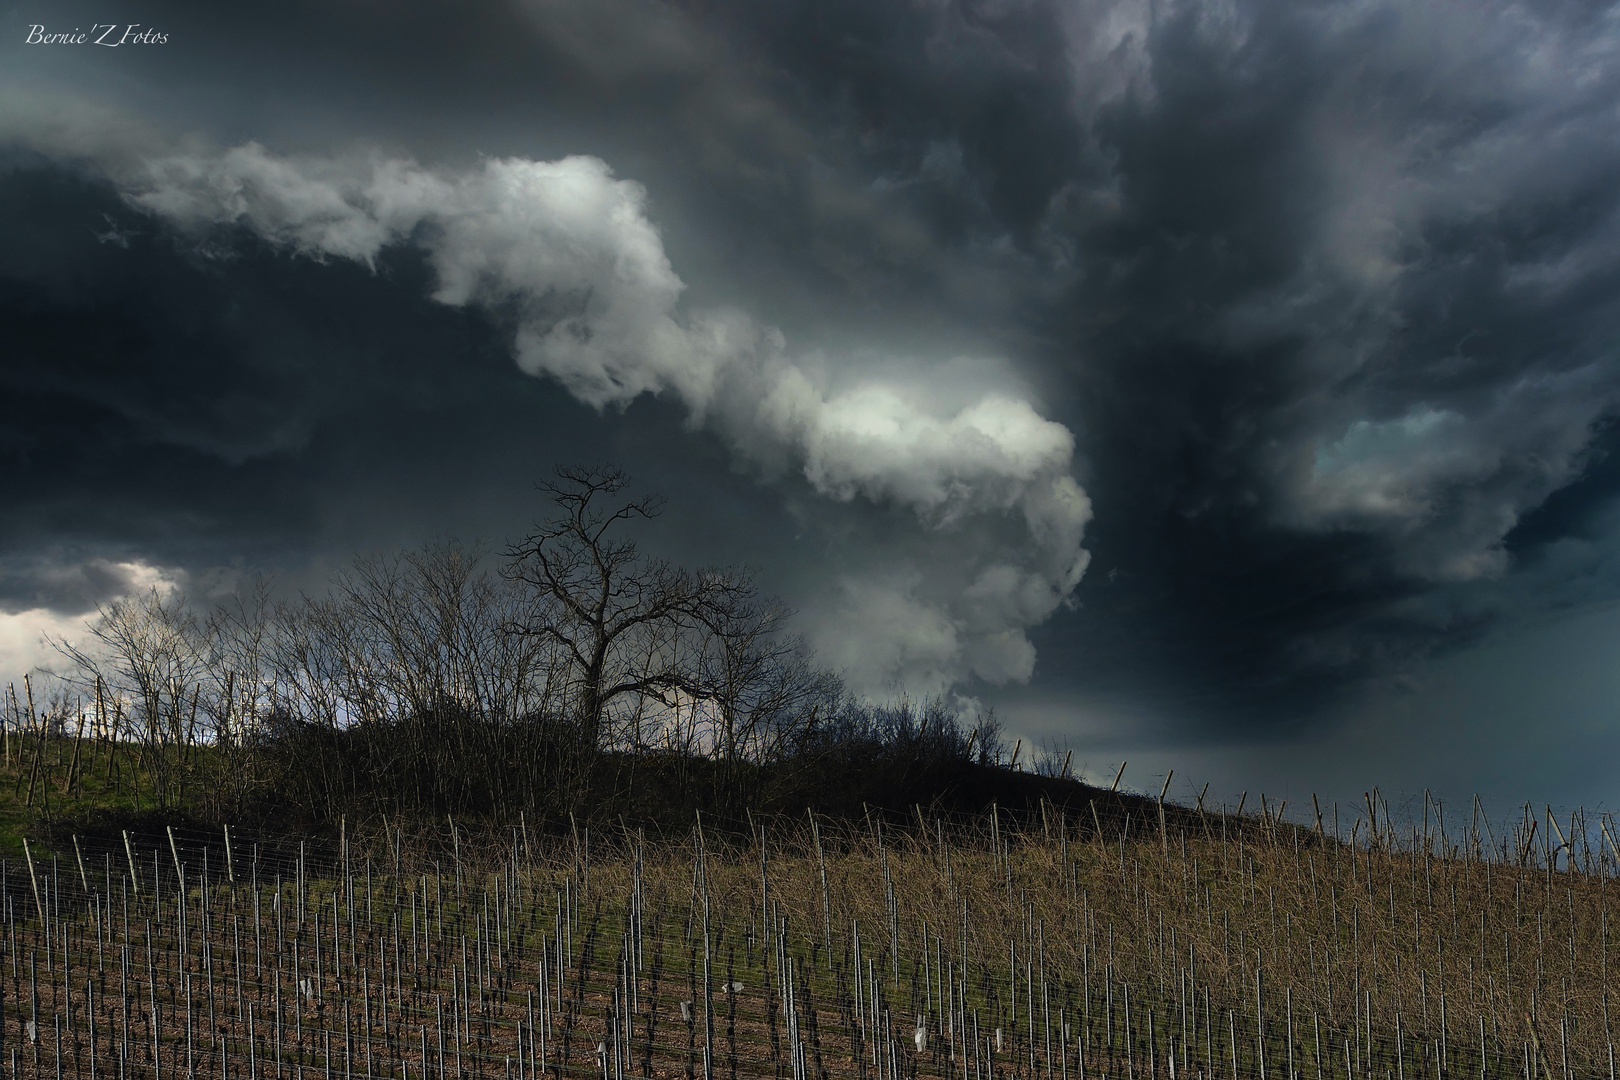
(1141, 944)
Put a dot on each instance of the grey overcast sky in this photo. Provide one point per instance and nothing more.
(1223, 386)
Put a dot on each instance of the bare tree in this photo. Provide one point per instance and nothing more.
(627, 625)
(762, 690)
(151, 651)
(423, 682)
(240, 634)
(401, 691)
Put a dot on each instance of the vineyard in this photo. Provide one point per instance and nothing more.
(1112, 940)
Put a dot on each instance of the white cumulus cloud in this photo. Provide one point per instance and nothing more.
(571, 249)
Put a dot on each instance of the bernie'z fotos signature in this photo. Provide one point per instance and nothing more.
(105, 34)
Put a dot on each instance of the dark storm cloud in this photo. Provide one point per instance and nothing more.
(56, 582)
(844, 150)
(1352, 319)
(145, 338)
(190, 404)
(1336, 309)
(1326, 292)
(1330, 291)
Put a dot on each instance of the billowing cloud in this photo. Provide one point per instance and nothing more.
(1447, 488)
(1343, 279)
(568, 250)
(1441, 351)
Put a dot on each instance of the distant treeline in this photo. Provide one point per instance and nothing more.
(570, 674)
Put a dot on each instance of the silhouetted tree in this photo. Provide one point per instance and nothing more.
(628, 627)
(762, 690)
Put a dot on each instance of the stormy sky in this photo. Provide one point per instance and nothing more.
(1226, 387)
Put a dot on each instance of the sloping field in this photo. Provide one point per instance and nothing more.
(1044, 947)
